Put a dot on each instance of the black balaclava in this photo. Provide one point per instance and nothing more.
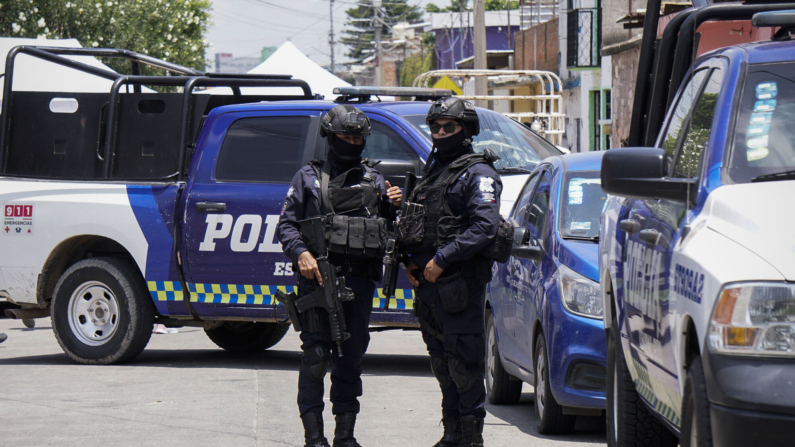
(343, 154)
(452, 147)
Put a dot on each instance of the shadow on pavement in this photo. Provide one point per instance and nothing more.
(588, 429)
(373, 364)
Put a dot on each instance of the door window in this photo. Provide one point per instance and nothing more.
(523, 205)
(265, 149)
(537, 211)
(682, 110)
(383, 143)
(696, 138)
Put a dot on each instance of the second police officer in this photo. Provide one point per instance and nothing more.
(351, 191)
(450, 227)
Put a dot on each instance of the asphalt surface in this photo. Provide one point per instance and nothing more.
(183, 390)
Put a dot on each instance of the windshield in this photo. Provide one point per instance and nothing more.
(581, 205)
(518, 148)
(765, 137)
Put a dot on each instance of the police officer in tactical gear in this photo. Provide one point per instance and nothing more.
(341, 185)
(453, 217)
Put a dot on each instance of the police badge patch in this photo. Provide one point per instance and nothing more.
(486, 186)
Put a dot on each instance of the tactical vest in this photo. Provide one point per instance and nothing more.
(352, 225)
(432, 225)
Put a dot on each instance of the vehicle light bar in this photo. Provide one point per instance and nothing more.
(363, 93)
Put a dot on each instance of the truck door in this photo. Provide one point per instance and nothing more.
(234, 261)
(684, 139)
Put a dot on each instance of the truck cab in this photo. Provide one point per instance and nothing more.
(695, 259)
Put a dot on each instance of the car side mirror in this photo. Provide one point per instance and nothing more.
(642, 173)
(524, 248)
(395, 170)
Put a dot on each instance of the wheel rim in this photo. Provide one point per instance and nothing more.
(614, 407)
(491, 358)
(693, 431)
(93, 313)
(541, 384)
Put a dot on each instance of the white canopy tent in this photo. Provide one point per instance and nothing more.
(289, 60)
(36, 75)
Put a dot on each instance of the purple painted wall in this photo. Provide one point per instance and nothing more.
(448, 43)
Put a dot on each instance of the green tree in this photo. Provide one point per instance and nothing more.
(172, 30)
(415, 65)
(360, 32)
(458, 5)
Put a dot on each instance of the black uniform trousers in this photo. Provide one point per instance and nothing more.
(319, 352)
(463, 346)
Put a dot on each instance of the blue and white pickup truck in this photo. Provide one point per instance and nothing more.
(697, 253)
(129, 208)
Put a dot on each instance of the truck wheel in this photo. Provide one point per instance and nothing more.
(696, 425)
(549, 414)
(102, 312)
(629, 422)
(238, 336)
(501, 387)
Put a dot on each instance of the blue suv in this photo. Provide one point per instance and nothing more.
(544, 306)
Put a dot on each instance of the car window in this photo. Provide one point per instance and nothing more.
(581, 204)
(683, 106)
(383, 143)
(522, 205)
(695, 140)
(264, 149)
(537, 211)
(764, 142)
(517, 146)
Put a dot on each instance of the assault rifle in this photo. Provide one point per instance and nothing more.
(393, 245)
(329, 296)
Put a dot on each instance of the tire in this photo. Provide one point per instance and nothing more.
(501, 387)
(102, 312)
(629, 422)
(549, 414)
(696, 424)
(238, 336)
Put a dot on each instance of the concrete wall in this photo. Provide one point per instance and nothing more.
(612, 10)
(538, 47)
(625, 71)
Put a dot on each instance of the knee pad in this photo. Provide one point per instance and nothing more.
(440, 370)
(315, 362)
(464, 380)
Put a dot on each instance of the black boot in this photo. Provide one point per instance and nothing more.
(471, 431)
(343, 434)
(452, 430)
(313, 430)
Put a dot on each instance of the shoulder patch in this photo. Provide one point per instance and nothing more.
(486, 187)
(317, 184)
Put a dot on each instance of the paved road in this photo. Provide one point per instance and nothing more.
(183, 390)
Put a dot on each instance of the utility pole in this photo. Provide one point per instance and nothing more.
(331, 32)
(480, 51)
(379, 68)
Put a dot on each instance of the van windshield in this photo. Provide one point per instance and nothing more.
(519, 148)
(764, 144)
(581, 205)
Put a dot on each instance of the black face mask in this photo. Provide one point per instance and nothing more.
(450, 147)
(345, 154)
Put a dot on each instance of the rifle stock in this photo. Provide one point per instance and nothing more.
(393, 246)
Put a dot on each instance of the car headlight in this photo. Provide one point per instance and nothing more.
(754, 319)
(579, 295)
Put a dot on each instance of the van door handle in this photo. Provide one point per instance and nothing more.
(653, 237)
(210, 207)
(629, 226)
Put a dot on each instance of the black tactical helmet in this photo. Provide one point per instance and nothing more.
(456, 109)
(345, 119)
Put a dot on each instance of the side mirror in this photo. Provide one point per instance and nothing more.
(642, 173)
(524, 248)
(395, 170)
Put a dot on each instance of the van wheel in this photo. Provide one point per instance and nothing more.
(696, 425)
(238, 336)
(549, 414)
(629, 422)
(501, 387)
(101, 311)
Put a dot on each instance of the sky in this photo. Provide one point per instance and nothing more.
(243, 27)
